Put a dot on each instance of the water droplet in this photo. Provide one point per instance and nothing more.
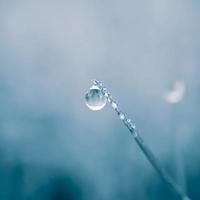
(121, 116)
(95, 100)
(106, 95)
(104, 90)
(129, 121)
(109, 100)
(114, 105)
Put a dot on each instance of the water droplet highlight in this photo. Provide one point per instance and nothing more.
(95, 100)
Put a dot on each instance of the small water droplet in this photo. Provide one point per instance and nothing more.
(129, 121)
(122, 116)
(114, 105)
(109, 99)
(103, 89)
(106, 95)
(94, 98)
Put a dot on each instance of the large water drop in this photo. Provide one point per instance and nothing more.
(94, 98)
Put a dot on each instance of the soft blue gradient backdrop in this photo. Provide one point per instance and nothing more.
(51, 144)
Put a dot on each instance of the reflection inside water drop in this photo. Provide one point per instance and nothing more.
(94, 98)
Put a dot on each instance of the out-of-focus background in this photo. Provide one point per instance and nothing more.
(52, 147)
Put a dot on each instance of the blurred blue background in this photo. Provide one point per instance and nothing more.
(52, 147)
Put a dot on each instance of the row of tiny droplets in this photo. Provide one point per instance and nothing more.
(127, 122)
